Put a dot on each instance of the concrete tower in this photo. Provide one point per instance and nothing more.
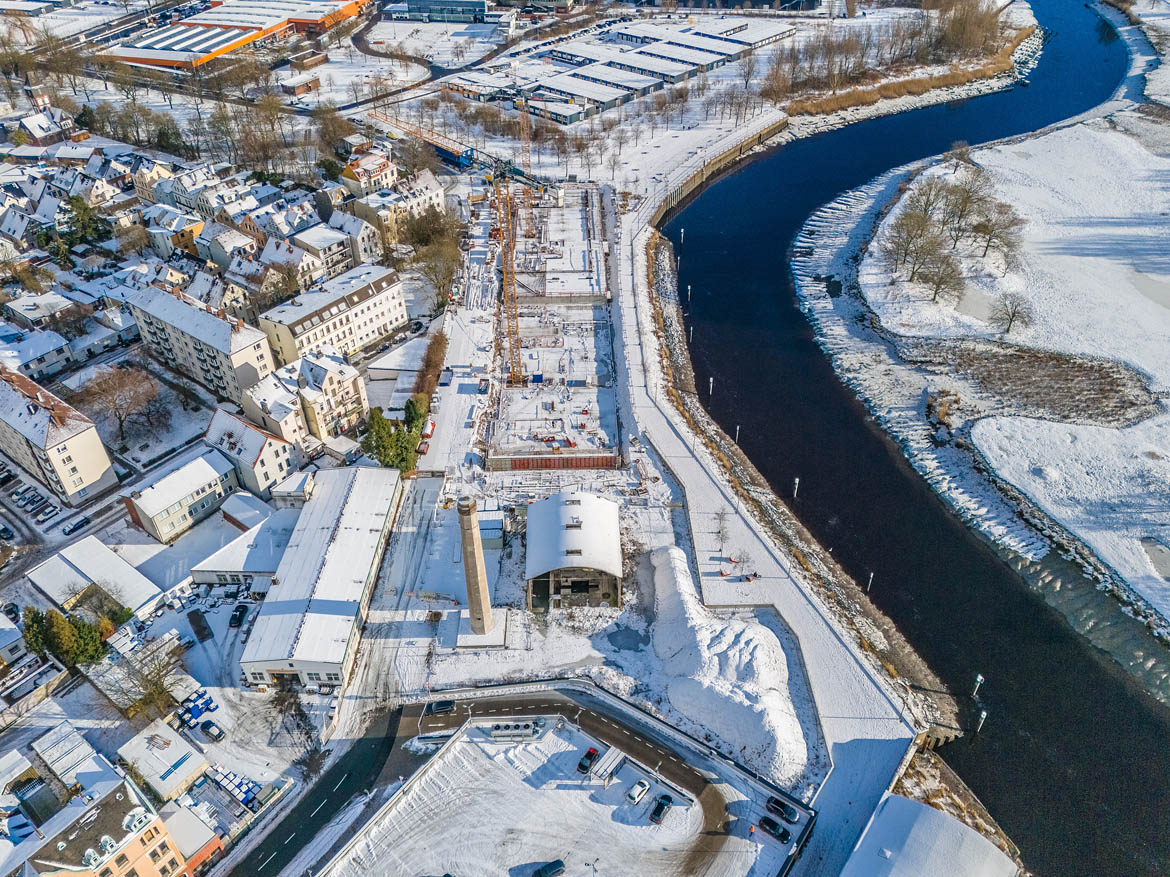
(479, 607)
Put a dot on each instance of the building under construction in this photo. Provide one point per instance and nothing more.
(558, 410)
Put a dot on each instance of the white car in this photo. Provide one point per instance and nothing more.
(638, 791)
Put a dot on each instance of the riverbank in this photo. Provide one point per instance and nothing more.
(1018, 515)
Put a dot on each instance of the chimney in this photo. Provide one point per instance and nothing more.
(479, 606)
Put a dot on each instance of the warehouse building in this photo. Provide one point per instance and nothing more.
(229, 26)
(307, 629)
(573, 554)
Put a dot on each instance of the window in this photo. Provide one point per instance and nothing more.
(121, 861)
(105, 872)
(573, 552)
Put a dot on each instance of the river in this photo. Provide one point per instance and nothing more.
(1073, 757)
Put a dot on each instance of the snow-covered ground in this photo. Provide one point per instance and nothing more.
(68, 20)
(351, 76)
(1155, 16)
(448, 44)
(490, 807)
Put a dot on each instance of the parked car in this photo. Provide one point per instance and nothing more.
(428, 429)
(783, 809)
(423, 447)
(7, 478)
(36, 502)
(70, 529)
(774, 828)
(661, 808)
(587, 760)
(212, 730)
(6, 532)
(187, 642)
(238, 615)
(20, 489)
(12, 611)
(47, 513)
(440, 708)
(552, 869)
(637, 791)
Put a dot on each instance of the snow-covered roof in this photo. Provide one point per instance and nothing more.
(19, 347)
(236, 438)
(192, 318)
(258, 550)
(36, 413)
(36, 307)
(319, 237)
(164, 758)
(9, 633)
(906, 838)
(181, 482)
(273, 397)
(330, 292)
(311, 613)
(246, 509)
(573, 529)
(87, 562)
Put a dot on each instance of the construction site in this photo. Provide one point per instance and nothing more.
(557, 407)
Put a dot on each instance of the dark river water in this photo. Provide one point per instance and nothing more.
(1074, 759)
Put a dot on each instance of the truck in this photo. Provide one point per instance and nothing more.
(445, 377)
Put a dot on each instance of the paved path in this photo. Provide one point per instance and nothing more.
(861, 719)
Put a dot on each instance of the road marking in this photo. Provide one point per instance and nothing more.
(319, 806)
(266, 861)
(339, 782)
(291, 836)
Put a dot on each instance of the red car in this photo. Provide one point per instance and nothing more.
(423, 447)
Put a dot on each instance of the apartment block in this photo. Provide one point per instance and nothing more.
(223, 354)
(51, 440)
(183, 497)
(318, 395)
(349, 312)
(329, 245)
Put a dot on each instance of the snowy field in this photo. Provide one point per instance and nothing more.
(351, 76)
(1095, 269)
(448, 44)
(488, 807)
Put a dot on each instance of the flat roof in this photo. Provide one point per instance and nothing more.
(256, 551)
(247, 508)
(164, 758)
(593, 91)
(311, 613)
(682, 54)
(618, 78)
(263, 14)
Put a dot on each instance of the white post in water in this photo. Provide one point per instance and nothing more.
(795, 487)
(982, 719)
(869, 584)
(978, 682)
(710, 387)
(682, 233)
(688, 293)
(691, 339)
(737, 433)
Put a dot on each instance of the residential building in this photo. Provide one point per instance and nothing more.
(36, 354)
(147, 175)
(52, 441)
(319, 395)
(349, 312)
(365, 243)
(308, 628)
(170, 229)
(225, 355)
(389, 209)
(304, 267)
(329, 245)
(260, 458)
(182, 498)
(12, 647)
(110, 829)
(369, 172)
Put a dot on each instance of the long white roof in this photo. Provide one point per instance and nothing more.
(182, 481)
(574, 529)
(311, 609)
(193, 318)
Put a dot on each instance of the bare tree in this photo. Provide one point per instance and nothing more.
(132, 238)
(964, 199)
(747, 68)
(943, 275)
(722, 534)
(121, 393)
(1009, 309)
(439, 263)
(959, 154)
(1000, 226)
(902, 237)
(927, 195)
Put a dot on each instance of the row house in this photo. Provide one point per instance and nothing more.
(298, 263)
(329, 245)
(260, 458)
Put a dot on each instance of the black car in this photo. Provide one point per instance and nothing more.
(238, 615)
(783, 809)
(774, 828)
(70, 529)
(6, 532)
(661, 808)
(12, 611)
(440, 708)
(586, 763)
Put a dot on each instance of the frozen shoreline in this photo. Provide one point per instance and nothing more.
(893, 388)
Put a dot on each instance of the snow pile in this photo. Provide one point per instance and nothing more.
(725, 674)
(1111, 487)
